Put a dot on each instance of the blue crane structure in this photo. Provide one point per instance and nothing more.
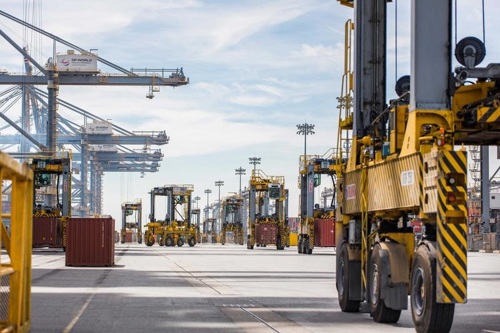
(41, 130)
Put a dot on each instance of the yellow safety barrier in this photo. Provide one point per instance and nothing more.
(15, 242)
(294, 239)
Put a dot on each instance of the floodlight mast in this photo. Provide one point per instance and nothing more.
(254, 161)
(305, 129)
(240, 171)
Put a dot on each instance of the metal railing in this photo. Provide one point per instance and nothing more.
(15, 241)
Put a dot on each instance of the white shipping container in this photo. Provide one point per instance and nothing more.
(99, 128)
(76, 63)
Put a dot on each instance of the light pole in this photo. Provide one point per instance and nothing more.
(254, 161)
(197, 198)
(240, 171)
(219, 183)
(208, 191)
(305, 129)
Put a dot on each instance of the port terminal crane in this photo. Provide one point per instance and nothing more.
(316, 225)
(267, 226)
(131, 221)
(175, 228)
(51, 199)
(62, 70)
(232, 219)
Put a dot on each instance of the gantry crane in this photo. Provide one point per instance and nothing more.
(266, 226)
(316, 225)
(133, 209)
(176, 228)
(67, 69)
(196, 221)
(51, 199)
(81, 69)
(399, 164)
(209, 230)
(232, 219)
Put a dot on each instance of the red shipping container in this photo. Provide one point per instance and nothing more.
(47, 231)
(324, 232)
(90, 242)
(128, 236)
(266, 233)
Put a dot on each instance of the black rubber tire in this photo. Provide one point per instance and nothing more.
(180, 242)
(428, 316)
(149, 240)
(169, 241)
(379, 311)
(346, 305)
(305, 246)
(191, 241)
(278, 243)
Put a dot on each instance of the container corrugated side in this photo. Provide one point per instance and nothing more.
(266, 233)
(47, 232)
(90, 242)
(324, 234)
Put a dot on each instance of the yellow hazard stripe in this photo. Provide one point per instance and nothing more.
(490, 115)
(456, 265)
(452, 231)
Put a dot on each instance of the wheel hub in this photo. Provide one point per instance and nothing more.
(418, 297)
(341, 277)
(374, 289)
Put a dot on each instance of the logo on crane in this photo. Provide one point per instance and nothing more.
(65, 61)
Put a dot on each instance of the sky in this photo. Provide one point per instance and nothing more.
(256, 69)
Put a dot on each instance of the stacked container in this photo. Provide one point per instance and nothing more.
(90, 242)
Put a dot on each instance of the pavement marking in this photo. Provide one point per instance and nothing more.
(259, 319)
(75, 319)
(206, 285)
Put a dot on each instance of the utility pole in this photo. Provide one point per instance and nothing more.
(219, 183)
(254, 161)
(240, 171)
(305, 129)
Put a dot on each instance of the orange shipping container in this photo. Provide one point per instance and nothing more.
(324, 232)
(47, 231)
(90, 242)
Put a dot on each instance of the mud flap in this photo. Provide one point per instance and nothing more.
(394, 276)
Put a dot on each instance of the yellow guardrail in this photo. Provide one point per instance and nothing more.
(15, 242)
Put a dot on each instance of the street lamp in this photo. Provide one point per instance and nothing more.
(240, 171)
(208, 191)
(254, 161)
(197, 198)
(305, 129)
(219, 183)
